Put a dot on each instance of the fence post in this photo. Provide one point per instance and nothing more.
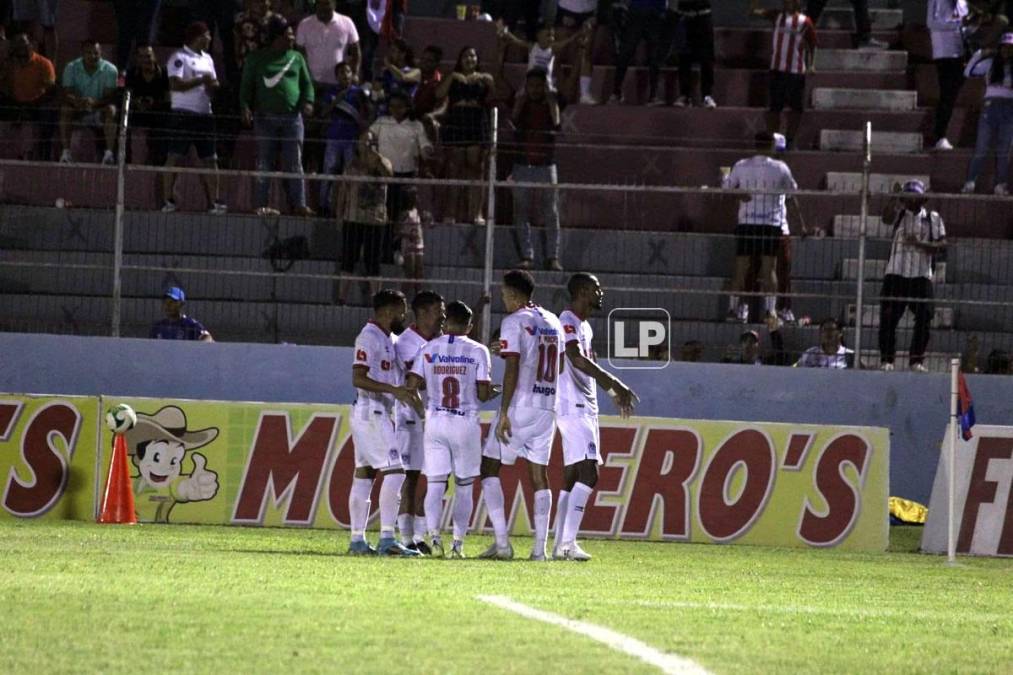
(121, 168)
(490, 230)
(862, 229)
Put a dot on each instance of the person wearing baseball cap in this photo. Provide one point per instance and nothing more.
(995, 125)
(176, 325)
(918, 236)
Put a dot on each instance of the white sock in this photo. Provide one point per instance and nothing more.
(575, 512)
(463, 505)
(561, 503)
(390, 502)
(543, 509)
(405, 526)
(585, 85)
(769, 302)
(358, 507)
(733, 302)
(420, 528)
(434, 504)
(492, 493)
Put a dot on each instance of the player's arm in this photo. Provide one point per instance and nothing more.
(625, 397)
(487, 391)
(510, 377)
(362, 380)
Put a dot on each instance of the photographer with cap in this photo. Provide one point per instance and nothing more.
(918, 236)
(176, 325)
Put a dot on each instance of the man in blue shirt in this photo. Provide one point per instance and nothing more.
(176, 325)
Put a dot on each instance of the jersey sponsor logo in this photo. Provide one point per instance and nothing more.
(535, 330)
(385, 365)
(360, 355)
(547, 391)
(272, 82)
(443, 358)
(503, 344)
(570, 329)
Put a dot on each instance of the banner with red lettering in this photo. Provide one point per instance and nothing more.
(984, 495)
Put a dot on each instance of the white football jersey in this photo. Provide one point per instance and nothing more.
(407, 348)
(375, 349)
(578, 392)
(535, 335)
(186, 64)
(452, 366)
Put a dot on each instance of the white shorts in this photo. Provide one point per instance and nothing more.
(453, 445)
(373, 438)
(409, 444)
(531, 433)
(580, 436)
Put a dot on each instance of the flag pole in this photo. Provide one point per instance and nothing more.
(951, 536)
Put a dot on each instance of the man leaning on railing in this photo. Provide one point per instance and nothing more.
(29, 92)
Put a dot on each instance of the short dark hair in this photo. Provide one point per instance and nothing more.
(387, 297)
(436, 51)
(579, 282)
(537, 73)
(830, 321)
(400, 95)
(342, 64)
(459, 313)
(764, 140)
(88, 42)
(426, 298)
(520, 281)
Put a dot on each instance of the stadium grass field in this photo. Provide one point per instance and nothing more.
(82, 597)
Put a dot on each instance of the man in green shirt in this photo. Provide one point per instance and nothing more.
(276, 93)
(89, 95)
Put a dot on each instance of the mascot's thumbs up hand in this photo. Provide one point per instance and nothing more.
(200, 485)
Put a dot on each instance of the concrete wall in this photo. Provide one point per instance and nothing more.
(914, 407)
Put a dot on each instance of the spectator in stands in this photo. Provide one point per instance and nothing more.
(403, 141)
(149, 88)
(89, 95)
(467, 131)
(762, 218)
(425, 100)
(399, 72)
(995, 125)
(347, 107)
(918, 236)
(384, 19)
(412, 241)
(250, 30)
(830, 352)
(945, 19)
(986, 21)
(695, 46)
(863, 22)
(176, 325)
(645, 22)
(136, 24)
(220, 17)
(362, 210)
(328, 38)
(794, 49)
(536, 119)
(750, 353)
(38, 18)
(998, 362)
(574, 16)
(277, 86)
(543, 51)
(192, 83)
(29, 92)
(510, 12)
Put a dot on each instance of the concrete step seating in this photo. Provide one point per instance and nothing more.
(878, 182)
(942, 317)
(841, 18)
(875, 269)
(891, 100)
(860, 60)
(847, 227)
(892, 142)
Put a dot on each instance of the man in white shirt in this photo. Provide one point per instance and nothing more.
(830, 353)
(377, 386)
(918, 236)
(456, 372)
(577, 412)
(328, 38)
(762, 218)
(531, 343)
(192, 83)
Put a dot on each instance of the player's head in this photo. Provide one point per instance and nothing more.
(536, 84)
(517, 289)
(429, 311)
(585, 291)
(830, 335)
(172, 302)
(459, 318)
(389, 309)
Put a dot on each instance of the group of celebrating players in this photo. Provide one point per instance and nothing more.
(419, 391)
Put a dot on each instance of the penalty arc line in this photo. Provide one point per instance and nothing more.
(667, 663)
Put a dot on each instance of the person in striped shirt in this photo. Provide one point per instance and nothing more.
(918, 235)
(794, 49)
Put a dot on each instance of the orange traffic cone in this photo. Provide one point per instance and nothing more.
(118, 502)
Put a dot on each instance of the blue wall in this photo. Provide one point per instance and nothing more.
(914, 407)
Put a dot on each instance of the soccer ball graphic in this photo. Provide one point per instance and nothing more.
(121, 418)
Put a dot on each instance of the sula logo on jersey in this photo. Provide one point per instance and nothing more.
(360, 355)
(572, 330)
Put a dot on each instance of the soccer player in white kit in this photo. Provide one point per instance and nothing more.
(429, 312)
(456, 372)
(377, 385)
(577, 412)
(531, 343)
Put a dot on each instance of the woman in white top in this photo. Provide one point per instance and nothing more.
(995, 126)
(944, 20)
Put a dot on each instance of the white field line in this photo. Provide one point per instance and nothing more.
(827, 611)
(667, 663)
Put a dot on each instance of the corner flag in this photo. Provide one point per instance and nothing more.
(965, 407)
